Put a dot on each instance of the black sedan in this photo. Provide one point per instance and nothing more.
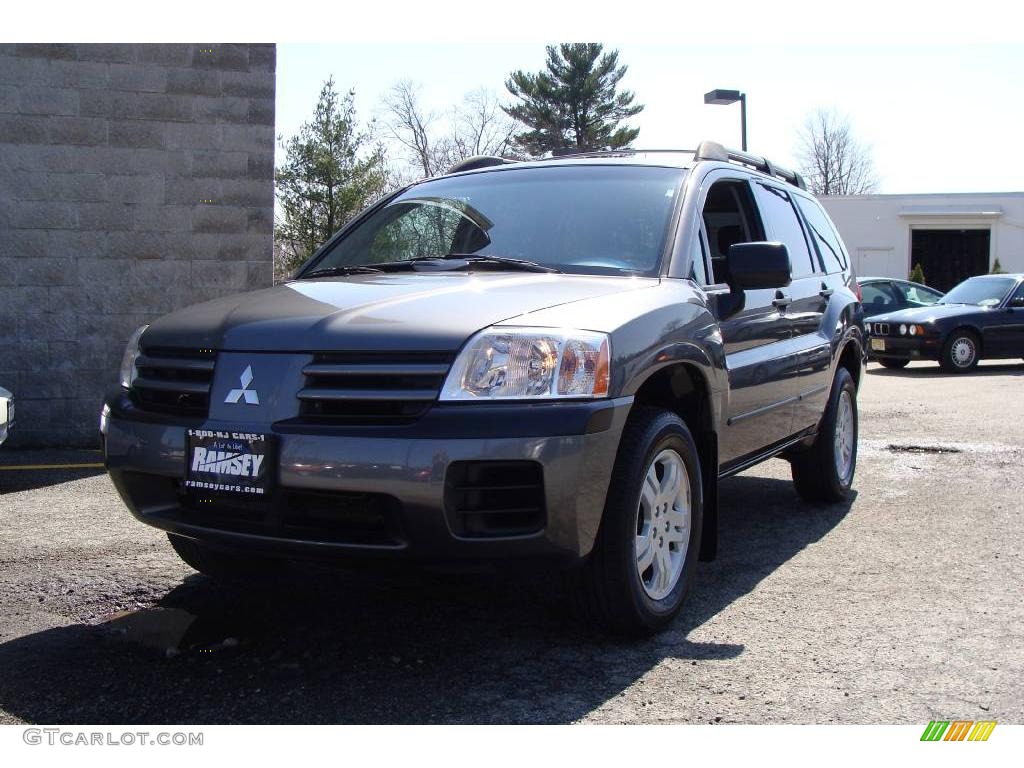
(982, 317)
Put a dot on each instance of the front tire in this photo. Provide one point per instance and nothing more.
(824, 472)
(224, 566)
(642, 564)
(961, 351)
(895, 365)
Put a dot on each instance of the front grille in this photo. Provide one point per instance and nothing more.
(494, 498)
(879, 329)
(372, 387)
(334, 517)
(175, 381)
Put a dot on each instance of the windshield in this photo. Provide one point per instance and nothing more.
(585, 219)
(983, 291)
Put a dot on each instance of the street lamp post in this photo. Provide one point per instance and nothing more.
(723, 96)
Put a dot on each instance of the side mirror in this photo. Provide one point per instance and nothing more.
(758, 265)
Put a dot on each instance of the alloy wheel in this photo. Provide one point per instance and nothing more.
(844, 436)
(663, 524)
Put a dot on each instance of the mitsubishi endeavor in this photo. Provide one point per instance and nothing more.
(545, 363)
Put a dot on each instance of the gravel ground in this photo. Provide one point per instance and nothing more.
(902, 606)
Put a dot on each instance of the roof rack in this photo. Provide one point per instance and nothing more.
(712, 150)
(621, 152)
(708, 150)
(479, 161)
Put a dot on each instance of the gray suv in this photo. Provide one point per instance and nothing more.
(547, 363)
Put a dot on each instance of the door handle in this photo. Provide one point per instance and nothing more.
(825, 291)
(781, 300)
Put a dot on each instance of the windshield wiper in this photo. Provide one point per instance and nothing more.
(358, 269)
(470, 258)
(476, 258)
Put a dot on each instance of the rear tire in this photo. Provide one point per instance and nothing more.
(895, 364)
(824, 472)
(961, 351)
(643, 561)
(224, 566)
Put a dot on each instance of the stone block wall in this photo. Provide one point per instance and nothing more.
(134, 180)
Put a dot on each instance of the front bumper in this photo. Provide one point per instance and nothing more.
(905, 348)
(406, 466)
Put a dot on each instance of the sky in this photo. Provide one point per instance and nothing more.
(936, 117)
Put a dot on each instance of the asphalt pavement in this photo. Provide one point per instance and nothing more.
(901, 606)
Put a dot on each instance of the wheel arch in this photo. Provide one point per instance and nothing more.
(851, 357)
(681, 387)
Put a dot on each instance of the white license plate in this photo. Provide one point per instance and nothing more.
(878, 345)
(228, 462)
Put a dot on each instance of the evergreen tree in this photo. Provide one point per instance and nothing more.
(917, 275)
(332, 170)
(997, 268)
(573, 104)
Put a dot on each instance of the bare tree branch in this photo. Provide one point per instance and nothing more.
(407, 124)
(477, 126)
(831, 159)
(480, 126)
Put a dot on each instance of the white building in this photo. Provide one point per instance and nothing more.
(952, 236)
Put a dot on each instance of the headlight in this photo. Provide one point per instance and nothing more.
(867, 327)
(530, 363)
(903, 330)
(128, 372)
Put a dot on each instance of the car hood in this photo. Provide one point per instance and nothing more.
(927, 314)
(404, 311)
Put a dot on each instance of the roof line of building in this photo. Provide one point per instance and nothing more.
(876, 196)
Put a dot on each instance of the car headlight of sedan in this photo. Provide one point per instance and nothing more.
(131, 352)
(515, 363)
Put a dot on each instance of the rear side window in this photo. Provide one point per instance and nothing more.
(780, 219)
(878, 298)
(823, 234)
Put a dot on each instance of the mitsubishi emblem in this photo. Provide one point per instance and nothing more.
(251, 398)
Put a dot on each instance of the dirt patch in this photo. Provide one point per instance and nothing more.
(895, 448)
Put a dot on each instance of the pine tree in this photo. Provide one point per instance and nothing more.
(917, 275)
(573, 104)
(997, 268)
(332, 170)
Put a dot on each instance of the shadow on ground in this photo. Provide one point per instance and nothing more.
(327, 647)
(26, 470)
(913, 372)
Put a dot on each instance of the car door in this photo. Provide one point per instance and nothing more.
(1004, 327)
(756, 331)
(809, 294)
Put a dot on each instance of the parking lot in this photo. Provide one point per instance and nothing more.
(903, 606)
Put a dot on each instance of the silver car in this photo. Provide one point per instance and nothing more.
(6, 413)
